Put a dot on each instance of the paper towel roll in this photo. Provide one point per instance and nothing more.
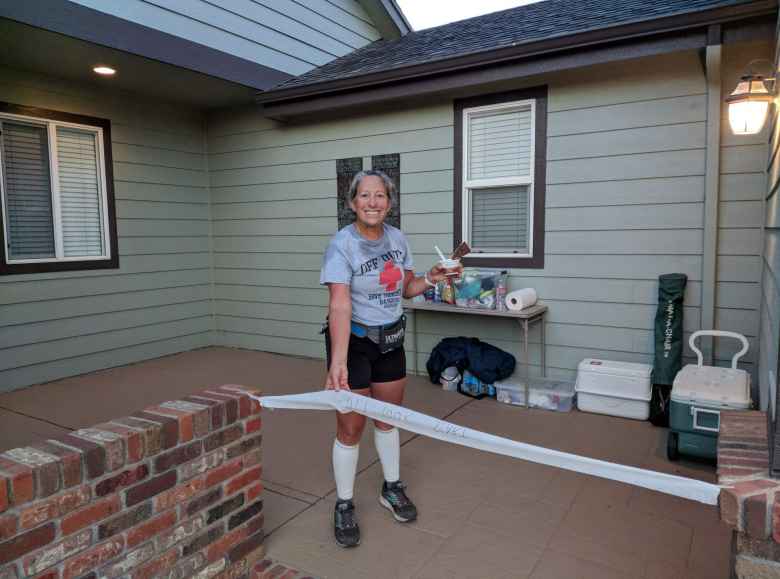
(520, 299)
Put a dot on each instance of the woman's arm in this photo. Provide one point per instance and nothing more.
(339, 322)
(414, 286)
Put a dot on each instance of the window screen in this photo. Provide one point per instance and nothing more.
(500, 219)
(26, 182)
(82, 230)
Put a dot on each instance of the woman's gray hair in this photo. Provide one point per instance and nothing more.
(388, 182)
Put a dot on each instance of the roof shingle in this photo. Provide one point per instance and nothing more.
(521, 25)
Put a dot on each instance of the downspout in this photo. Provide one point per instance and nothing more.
(711, 188)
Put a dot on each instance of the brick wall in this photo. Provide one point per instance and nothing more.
(171, 491)
(750, 499)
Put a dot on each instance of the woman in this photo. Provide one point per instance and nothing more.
(368, 269)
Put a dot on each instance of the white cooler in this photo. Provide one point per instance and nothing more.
(616, 388)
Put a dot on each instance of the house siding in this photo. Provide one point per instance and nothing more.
(293, 36)
(770, 266)
(158, 302)
(624, 204)
(740, 223)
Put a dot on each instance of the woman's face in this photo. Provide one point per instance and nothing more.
(371, 203)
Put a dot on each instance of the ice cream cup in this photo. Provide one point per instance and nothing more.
(450, 264)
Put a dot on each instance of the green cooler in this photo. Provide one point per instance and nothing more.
(699, 393)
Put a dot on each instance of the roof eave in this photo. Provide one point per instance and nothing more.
(634, 30)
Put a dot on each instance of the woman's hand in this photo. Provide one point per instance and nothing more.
(339, 316)
(337, 377)
(438, 273)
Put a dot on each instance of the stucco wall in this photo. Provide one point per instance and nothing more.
(626, 163)
(61, 324)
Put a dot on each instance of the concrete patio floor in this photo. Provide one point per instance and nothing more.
(481, 515)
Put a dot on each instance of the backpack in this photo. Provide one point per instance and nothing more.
(483, 360)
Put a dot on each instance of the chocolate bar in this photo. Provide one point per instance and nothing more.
(462, 249)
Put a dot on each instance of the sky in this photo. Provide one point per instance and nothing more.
(427, 13)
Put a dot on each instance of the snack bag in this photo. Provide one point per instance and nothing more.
(447, 293)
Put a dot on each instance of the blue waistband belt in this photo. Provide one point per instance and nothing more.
(362, 330)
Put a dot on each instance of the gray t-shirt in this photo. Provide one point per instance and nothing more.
(373, 270)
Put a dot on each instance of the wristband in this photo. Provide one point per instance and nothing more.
(428, 282)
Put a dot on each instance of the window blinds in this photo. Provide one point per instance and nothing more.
(500, 144)
(82, 231)
(28, 191)
(500, 219)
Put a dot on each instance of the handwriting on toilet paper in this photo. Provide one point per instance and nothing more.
(364, 405)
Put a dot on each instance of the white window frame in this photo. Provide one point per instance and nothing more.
(469, 184)
(54, 184)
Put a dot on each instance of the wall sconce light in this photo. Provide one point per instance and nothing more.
(749, 103)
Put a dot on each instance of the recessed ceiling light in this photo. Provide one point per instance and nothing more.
(104, 70)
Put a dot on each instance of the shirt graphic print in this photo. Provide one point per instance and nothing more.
(374, 270)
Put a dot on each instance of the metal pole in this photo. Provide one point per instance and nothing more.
(544, 346)
(527, 366)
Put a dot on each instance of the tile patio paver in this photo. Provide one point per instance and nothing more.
(279, 508)
(19, 430)
(481, 515)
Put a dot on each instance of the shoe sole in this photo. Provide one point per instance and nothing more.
(345, 546)
(386, 504)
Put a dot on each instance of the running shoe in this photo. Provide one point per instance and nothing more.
(395, 500)
(345, 527)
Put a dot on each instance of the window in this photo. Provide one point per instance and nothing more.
(500, 164)
(57, 192)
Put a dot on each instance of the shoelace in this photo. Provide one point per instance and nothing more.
(397, 496)
(347, 518)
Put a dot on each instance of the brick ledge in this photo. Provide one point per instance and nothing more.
(749, 501)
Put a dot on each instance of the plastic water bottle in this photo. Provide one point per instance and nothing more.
(501, 292)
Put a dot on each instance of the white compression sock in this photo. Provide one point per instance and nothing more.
(345, 459)
(388, 447)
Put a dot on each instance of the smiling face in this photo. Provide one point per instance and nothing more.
(371, 203)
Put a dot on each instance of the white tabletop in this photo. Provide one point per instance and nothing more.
(524, 314)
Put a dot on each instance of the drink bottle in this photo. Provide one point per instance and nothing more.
(501, 292)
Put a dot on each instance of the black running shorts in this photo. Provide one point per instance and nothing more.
(366, 364)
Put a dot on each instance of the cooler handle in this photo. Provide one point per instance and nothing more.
(720, 333)
(695, 413)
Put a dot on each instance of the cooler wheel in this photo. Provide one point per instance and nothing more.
(672, 450)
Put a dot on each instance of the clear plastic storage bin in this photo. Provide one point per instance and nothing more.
(543, 393)
(477, 289)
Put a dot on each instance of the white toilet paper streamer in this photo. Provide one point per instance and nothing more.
(345, 401)
(521, 299)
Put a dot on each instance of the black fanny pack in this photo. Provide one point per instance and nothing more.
(391, 336)
(387, 338)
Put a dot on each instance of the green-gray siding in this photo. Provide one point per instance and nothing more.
(770, 295)
(222, 224)
(293, 36)
(626, 166)
(158, 301)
